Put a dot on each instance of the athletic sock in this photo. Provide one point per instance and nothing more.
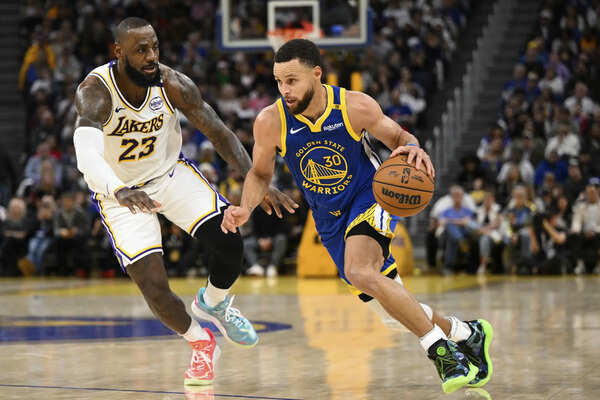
(460, 330)
(213, 295)
(432, 337)
(195, 332)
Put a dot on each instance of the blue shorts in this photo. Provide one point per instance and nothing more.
(334, 230)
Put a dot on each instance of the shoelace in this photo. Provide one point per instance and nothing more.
(233, 315)
(200, 357)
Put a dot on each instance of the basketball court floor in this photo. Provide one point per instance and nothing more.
(73, 339)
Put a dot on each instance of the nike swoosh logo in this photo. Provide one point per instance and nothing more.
(171, 173)
(119, 109)
(293, 131)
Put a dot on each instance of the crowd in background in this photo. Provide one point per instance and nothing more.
(50, 226)
(527, 200)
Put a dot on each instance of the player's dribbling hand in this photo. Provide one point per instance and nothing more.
(233, 217)
(275, 199)
(132, 198)
(417, 154)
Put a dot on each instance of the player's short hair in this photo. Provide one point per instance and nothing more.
(304, 50)
(128, 23)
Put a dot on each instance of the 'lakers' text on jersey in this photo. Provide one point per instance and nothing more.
(329, 160)
(140, 143)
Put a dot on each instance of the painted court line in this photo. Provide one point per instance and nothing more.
(231, 396)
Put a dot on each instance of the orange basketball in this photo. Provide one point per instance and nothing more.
(400, 188)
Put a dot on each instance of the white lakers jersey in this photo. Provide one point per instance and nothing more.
(140, 143)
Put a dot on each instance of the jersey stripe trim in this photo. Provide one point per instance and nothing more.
(103, 80)
(345, 116)
(283, 120)
(122, 98)
(163, 94)
(316, 127)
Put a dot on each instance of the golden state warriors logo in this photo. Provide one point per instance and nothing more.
(324, 167)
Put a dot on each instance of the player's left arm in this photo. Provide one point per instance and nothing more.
(365, 114)
(185, 95)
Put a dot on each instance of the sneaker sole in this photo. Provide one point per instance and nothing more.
(489, 335)
(456, 383)
(201, 314)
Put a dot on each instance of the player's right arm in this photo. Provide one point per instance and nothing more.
(267, 138)
(93, 104)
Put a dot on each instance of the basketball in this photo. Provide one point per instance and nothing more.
(400, 188)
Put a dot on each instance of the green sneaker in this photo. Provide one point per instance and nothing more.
(452, 365)
(477, 349)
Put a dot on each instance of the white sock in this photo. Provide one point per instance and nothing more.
(431, 337)
(213, 295)
(459, 330)
(195, 332)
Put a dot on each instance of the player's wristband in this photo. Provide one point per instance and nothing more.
(412, 144)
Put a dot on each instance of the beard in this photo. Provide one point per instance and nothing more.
(304, 102)
(141, 79)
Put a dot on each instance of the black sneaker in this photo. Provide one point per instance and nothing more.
(452, 365)
(477, 348)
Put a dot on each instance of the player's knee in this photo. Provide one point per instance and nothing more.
(362, 277)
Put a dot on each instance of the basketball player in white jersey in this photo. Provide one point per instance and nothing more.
(128, 145)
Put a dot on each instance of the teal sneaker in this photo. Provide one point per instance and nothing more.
(230, 321)
(452, 365)
(477, 349)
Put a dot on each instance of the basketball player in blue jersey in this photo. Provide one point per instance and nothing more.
(320, 130)
(128, 145)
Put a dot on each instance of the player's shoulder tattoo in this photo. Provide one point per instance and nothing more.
(92, 100)
(180, 88)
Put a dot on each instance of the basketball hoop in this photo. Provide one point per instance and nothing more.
(277, 37)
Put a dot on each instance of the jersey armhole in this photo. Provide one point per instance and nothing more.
(283, 122)
(346, 118)
(101, 79)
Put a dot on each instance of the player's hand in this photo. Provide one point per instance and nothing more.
(275, 199)
(418, 154)
(233, 217)
(132, 198)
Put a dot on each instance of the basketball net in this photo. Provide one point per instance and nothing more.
(277, 37)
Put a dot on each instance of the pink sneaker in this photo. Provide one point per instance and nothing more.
(204, 355)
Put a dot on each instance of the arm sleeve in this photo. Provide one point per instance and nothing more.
(89, 148)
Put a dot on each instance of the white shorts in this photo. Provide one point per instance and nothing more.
(186, 198)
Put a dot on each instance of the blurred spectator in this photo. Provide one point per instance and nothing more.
(553, 165)
(524, 166)
(268, 237)
(39, 53)
(492, 161)
(8, 178)
(575, 182)
(585, 230)
(42, 239)
(15, 232)
(552, 257)
(70, 229)
(519, 236)
(580, 105)
(471, 170)
(488, 220)
(459, 225)
(565, 143)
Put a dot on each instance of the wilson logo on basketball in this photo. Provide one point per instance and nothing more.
(414, 199)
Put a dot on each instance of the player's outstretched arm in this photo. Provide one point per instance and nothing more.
(365, 114)
(93, 104)
(266, 140)
(185, 95)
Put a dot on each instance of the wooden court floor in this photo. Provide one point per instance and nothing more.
(73, 339)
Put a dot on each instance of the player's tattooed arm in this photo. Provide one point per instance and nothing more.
(185, 95)
(93, 103)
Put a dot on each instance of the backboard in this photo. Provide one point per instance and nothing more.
(244, 24)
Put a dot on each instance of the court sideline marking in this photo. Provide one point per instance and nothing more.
(234, 396)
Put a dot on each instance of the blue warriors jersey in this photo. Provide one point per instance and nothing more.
(334, 166)
(327, 158)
